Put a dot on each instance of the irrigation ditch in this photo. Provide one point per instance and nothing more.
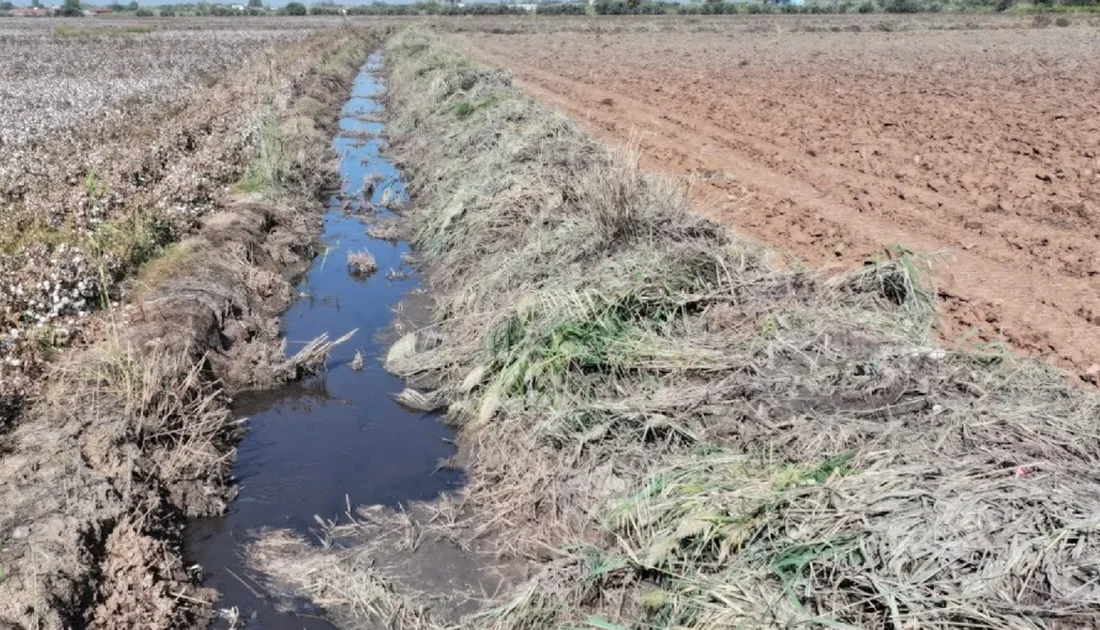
(317, 447)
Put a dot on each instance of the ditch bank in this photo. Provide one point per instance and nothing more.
(132, 435)
(663, 429)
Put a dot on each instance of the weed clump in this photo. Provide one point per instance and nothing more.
(361, 264)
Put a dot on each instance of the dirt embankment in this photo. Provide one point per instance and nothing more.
(671, 432)
(837, 146)
(131, 435)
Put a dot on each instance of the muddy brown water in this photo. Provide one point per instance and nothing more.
(338, 439)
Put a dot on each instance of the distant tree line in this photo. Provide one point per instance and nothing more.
(252, 7)
(74, 8)
(719, 7)
(708, 7)
(71, 8)
(434, 8)
(561, 8)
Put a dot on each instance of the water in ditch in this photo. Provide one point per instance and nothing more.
(313, 448)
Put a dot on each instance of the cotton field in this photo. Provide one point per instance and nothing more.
(114, 140)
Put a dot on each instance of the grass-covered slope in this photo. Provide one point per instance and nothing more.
(678, 434)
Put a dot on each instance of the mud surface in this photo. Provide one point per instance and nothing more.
(317, 449)
(979, 145)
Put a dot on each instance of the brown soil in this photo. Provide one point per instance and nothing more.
(835, 146)
(128, 437)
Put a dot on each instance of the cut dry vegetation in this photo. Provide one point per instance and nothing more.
(361, 264)
(386, 229)
(130, 433)
(671, 431)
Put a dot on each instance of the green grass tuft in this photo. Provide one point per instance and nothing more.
(265, 173)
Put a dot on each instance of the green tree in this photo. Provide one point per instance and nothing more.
(71, 8)
(6, 6)
(133, 6)
(255, 4)
(296, 8)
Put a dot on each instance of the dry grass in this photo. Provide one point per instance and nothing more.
(386, 229)
(350, 583)
(419, 401)
(392, 200)
(380, 568)
(312, 356)
(361, 263)
(685, 436)
(157, 397)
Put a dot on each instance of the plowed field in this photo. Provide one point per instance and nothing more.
(983, 146)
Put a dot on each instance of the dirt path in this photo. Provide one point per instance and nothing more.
(984, 146)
